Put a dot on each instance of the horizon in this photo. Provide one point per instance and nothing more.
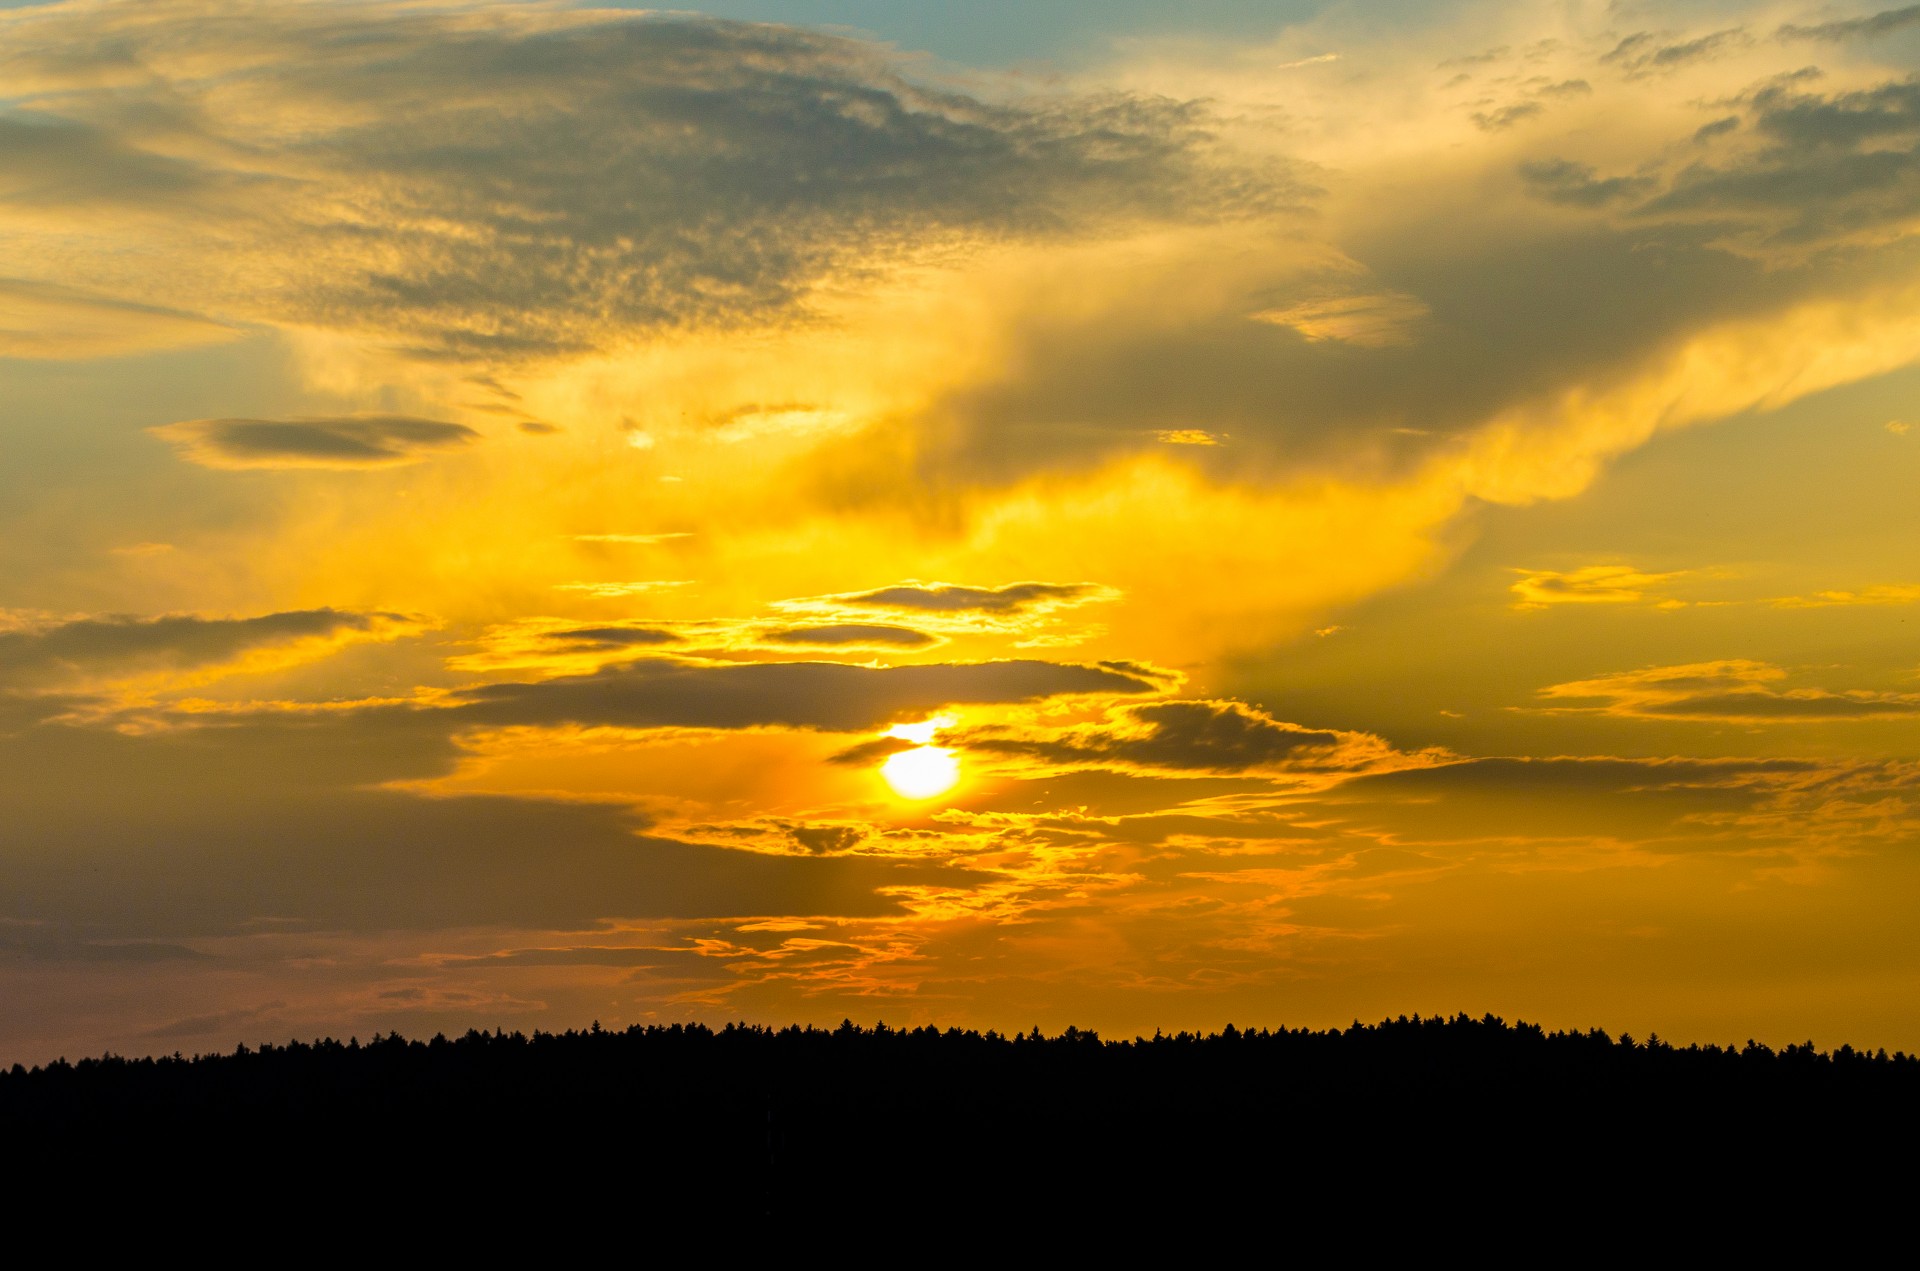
(514, 514)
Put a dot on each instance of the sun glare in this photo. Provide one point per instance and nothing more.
(921, 734)
(922, 773)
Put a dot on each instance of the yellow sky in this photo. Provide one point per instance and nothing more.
(513, 515)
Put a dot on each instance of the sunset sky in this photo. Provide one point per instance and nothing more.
(1114, 513)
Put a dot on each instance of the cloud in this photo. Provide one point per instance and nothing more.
(1734, 690)
(952, 598)
(116, 647)
(59, 164)
(830, 696)
(419, 173)
(1577, 185)
(1644, 53)
(1186, 736)
(1037, 611)
(862, 634)
(617, 591)
(872, 752)
(45, 320)
(1664, 805)
(1507, 116)
(824, 840)
(215, 1022)
(1822, 169)
(1368, 321)
(1883, 594)
(356, 441)
(559, 645)
(268, 822)
(1885, 22)
(29, 944)
(1588, 585)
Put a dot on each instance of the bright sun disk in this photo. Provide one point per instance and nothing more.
(922, 773)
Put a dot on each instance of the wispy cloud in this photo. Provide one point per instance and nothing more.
(1592, 585)
(1881, 594)
(357, 441)
(1730, 691)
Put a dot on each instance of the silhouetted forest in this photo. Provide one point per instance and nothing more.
(796, 1125)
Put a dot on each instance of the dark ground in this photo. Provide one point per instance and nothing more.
(1369, 1133)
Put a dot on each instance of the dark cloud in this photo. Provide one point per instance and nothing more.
(49, 161)
(214, 1021)
(1186, 736)
(1729, 691)
(1535, 96)
(855, 633)
(950, 598)
(1718, 128)
(826, 839)
(607, 639)
(1884, 23)
(577, 955)
(358, 441)
(1807, 704)
(1808, 122)
(1646, 53)
(540, 180)
(1577, 185)
(1826, 166)
(1579, 798)
(131, 644)
(1507, 116)
(870, 752)
(825, 695)
(1518, 313)
(1102, 791)
(42, 945)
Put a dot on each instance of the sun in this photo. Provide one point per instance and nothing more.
(922, 773)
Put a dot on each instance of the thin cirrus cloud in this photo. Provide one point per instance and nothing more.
(1733, 690)
(1591, 585)
(1886, 22)
(119, 645)
(733, 165)
(46, 320)
(1879, 594)
(343, 442)
(954, 598)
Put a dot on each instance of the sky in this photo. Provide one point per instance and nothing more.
(1135, 516)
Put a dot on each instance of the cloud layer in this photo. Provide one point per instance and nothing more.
(364, 441)
(728, 168)
(823, 695)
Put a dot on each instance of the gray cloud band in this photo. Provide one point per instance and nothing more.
(730, 166)
(110, 644)
(829, 696)
(355, 441)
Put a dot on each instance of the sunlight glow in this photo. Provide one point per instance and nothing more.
(922, 773)
(921, 734)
